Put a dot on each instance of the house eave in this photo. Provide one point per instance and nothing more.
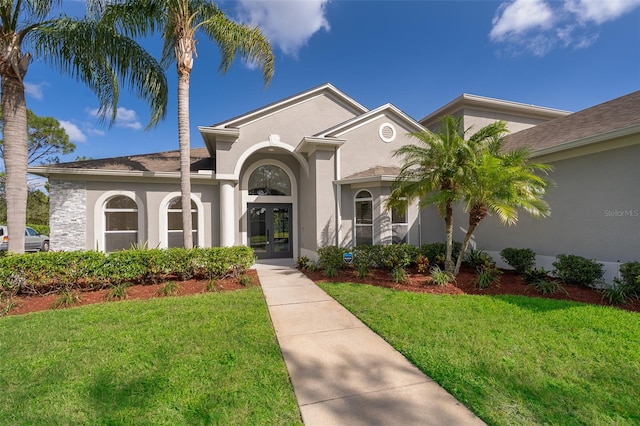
(309, 144)
(368, 179)
(46, 171)
(212, 135)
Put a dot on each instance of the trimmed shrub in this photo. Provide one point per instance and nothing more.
(436, 252)
(330, 260)
(630, 275)
(519, 259)
(54, 271)
(572, 269)
(478, 259)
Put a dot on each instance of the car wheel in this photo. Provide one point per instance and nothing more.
(45, 246)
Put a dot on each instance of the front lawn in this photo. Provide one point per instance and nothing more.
(513, 360)
(205, 359)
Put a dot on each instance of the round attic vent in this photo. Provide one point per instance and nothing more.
(387, 132)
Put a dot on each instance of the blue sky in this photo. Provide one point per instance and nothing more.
(418, 55)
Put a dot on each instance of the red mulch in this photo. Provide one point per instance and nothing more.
(510, 283)
(28, 304)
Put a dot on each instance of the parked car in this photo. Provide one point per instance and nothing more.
(33, 240)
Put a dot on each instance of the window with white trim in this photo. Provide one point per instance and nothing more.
(174, 223)
(363, 218)
(399, 224)
(121, 223)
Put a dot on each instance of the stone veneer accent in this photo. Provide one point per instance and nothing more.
(68, 215)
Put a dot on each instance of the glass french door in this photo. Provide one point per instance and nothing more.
(270, 230)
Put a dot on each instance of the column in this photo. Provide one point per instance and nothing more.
(227, 228)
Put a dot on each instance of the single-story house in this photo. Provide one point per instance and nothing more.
(316, 168)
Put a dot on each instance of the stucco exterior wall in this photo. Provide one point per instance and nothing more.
(68, 214)
(365, 149)
(595, 213)
(150, 196)
(290, 124)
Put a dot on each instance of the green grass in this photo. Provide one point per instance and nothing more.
(206, 359)
(513, 360)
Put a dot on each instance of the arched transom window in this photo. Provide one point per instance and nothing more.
(269, 179)
(363, 218)
(174, 223)
(121, 223)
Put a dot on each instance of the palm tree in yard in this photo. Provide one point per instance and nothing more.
(434, 172)
(179, 21)
(502, 183)
(84, 49)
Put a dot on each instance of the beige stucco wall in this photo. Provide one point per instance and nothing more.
(595, 213)
(151, 196)
(290, 124)
(364, 148)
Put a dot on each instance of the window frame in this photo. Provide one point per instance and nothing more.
(106, 210)
(359, 226)
(396, 224)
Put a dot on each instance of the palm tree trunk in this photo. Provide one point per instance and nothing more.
(184, 139)
(14, 109)
(477, 213)
(448, 220)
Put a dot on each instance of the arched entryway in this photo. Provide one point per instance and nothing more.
(269, 195)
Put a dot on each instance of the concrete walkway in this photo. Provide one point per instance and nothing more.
(342, 372)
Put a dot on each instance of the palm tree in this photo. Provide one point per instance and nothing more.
(180, 20)
(434, 171)
(84, 49)
(502, 183)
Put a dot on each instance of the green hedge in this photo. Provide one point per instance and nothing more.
(52, 271)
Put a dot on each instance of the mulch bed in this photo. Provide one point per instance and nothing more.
(510, 283)
(28, 304)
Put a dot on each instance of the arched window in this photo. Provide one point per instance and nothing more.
(363, 218)
(121, 223)
(269, 179)
(174, 223)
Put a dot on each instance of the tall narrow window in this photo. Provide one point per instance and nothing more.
(364, 218)
(174, 223)
(399, 224)
(269, 179)
(121, 223)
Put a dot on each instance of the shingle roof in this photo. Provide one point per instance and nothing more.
(168, 161)
(375, 171)
(617, 114)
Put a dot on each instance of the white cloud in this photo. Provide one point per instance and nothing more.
(74, 132)
(519, 17)
(34, 90)
(600, 11)
(126, 118)
(538, 26)
(287, 24)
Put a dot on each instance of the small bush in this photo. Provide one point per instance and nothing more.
(399, 274)
(437, 251)
(170, 288)
(441, 277)
(534, 275)
(486, 276)
(630, 276)
(519, 259)
(302, 263)
(548, 286)
(67, 297)
(118, 292)
(212, 285)
(422, 264)
(245, 280)
(478, 258)
(618, 294)
(571, 269)
(330, 260)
